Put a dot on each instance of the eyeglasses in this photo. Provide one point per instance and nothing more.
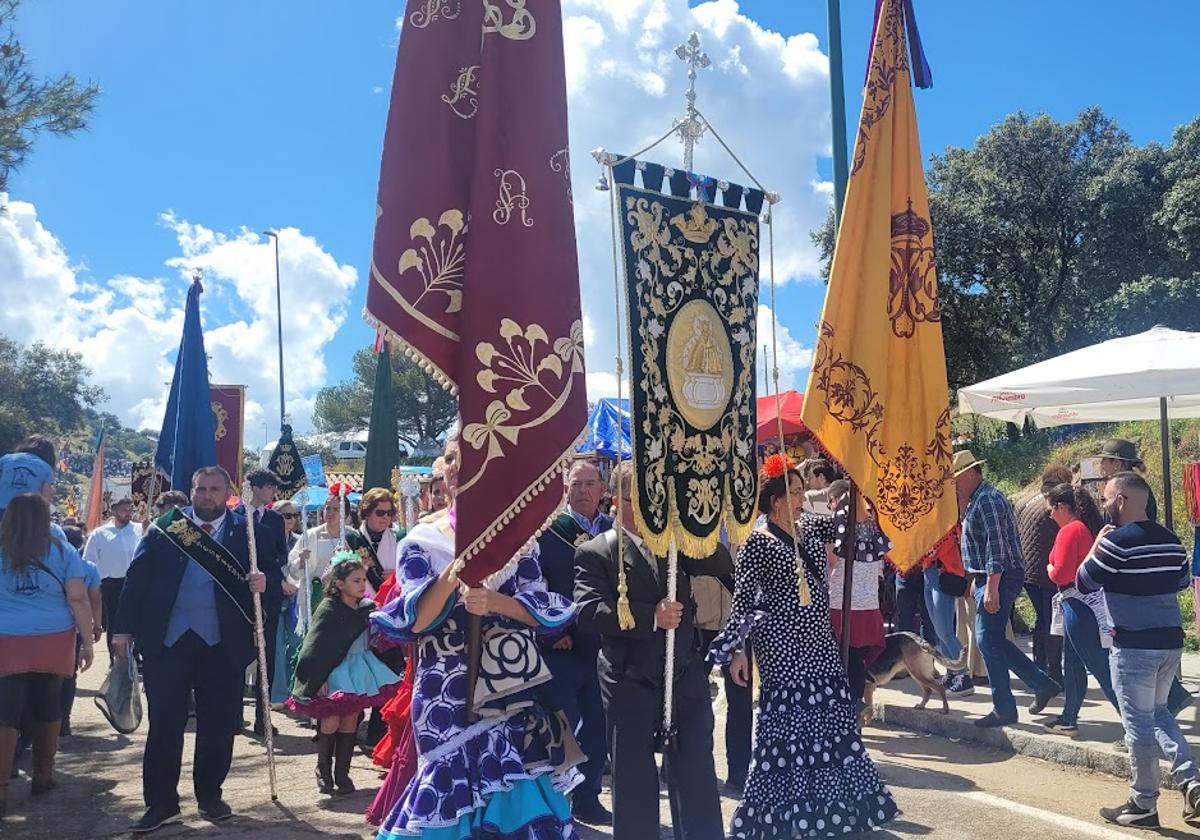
(291, 516)
(383, 512)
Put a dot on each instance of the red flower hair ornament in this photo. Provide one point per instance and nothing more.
(776, 466)
(338, 488)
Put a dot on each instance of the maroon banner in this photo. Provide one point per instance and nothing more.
(473, 268)
(229, 414)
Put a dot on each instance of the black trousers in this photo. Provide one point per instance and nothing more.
(270, 631)
(634, 710)
(739, 716)
(110, 598)
(190, 666)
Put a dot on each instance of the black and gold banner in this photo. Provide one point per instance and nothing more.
(691, 270)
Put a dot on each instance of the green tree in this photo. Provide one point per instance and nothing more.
(423, 408)
(31, 106)
(42, 390)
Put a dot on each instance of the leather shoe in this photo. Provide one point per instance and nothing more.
(260, 731)
(590, 812)
(155, 818)
(1042, 698)
(216, 811)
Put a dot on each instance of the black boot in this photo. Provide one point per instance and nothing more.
(325, 745)
(341, 768)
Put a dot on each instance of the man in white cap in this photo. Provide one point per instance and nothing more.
(991, 554)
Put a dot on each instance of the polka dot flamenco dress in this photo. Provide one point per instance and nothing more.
(810, 775)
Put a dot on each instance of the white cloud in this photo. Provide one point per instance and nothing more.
(602, 384)
(794, 357)
(128, 328)
(767, 95)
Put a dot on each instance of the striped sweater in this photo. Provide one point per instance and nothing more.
(1141, 567)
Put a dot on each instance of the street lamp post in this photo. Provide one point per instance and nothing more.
(279, 313)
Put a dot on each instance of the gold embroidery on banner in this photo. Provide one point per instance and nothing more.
(434, 10)
(462, 99)
(908, 484)
(560, 161)
(518, 372)
(912, 281)
(513, 195)
(220, 415)
(285, 464)
(522, 27)
(699, 375)
(441, 263)
(881, 80)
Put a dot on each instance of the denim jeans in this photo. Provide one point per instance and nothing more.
(1142, 681)
(911, 609)
(941, 612)
(1082, 654)
(999, 654)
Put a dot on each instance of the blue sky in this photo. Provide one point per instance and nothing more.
(238, 116)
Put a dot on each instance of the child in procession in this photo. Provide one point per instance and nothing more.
(337, 675)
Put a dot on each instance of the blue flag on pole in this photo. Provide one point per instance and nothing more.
(188, 437)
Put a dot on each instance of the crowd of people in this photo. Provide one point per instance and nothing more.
(364, 626)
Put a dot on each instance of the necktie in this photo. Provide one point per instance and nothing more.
(258, 517)
(208, 528)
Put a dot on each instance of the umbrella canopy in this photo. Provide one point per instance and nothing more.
(608, 430)
(1121, 379)
(790, 404)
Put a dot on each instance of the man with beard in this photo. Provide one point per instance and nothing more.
(572, 659)
(187, 606)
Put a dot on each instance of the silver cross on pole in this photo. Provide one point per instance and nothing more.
(691, 127)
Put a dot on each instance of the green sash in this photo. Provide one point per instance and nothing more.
(569, 531)
(212, 557)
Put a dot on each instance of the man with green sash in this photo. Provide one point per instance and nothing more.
(187, 605)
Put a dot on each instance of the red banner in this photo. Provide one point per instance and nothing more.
(473, 266)
(229, 415)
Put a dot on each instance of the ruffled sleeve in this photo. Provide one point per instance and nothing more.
(553, 613)
(746, 612)
(415, 574)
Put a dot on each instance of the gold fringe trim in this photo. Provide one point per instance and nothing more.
(686, 541)
(511, 512)
(420, 359)
(625, 619)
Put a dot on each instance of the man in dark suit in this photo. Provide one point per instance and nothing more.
(187, 605)
(264, 485)
(631, 667)
(572, 659)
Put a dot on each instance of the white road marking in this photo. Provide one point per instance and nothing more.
(1087, 829)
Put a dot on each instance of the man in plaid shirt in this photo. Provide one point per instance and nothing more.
(991, 554)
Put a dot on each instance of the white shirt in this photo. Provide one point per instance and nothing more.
(217, 524)
(111, 548)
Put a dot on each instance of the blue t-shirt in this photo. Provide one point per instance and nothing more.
(33, 602)
(91, 575)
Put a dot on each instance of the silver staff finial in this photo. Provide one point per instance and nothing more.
(691, 127)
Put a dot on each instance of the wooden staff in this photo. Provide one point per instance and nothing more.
(850, 549)
(260, 641)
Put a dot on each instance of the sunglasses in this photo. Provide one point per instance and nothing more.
(382, 512)
(291, 516)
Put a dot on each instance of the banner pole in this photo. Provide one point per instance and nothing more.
(849, 550)
(260, 642)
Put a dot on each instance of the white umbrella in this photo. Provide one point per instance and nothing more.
(1147, 376)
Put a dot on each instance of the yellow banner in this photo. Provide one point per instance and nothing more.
(877, 397)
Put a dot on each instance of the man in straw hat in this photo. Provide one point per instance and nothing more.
(991, 554)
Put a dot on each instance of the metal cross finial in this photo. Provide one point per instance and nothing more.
(691, 127)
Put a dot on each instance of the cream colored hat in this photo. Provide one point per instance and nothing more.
(964, 459)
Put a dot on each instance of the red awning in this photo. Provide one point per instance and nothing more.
(790, 404)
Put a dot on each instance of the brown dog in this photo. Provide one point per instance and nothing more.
(909, 652)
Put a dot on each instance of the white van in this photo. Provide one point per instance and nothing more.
(350, 450)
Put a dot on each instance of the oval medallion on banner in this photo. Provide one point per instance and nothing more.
(699, 363)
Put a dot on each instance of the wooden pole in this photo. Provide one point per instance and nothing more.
(260, 641)
(474, 651)
(849, 546)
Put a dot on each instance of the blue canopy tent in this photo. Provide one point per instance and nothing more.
(608, 429)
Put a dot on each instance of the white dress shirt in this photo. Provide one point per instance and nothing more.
(111, 548)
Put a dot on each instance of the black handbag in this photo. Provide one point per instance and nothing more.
(953, 585)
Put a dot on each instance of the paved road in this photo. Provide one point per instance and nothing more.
(946, 790)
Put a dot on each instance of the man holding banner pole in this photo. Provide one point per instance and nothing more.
(188, 607)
